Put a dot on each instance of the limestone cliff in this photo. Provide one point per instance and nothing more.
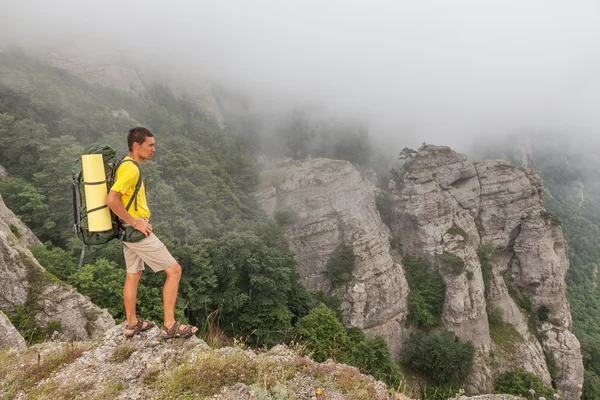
(330, 204)
(23, 282)
(441, 204)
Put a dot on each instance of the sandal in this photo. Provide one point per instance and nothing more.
(139, 327)
(176, 331)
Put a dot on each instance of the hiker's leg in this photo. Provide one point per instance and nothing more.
(170, 290)
(130, 296)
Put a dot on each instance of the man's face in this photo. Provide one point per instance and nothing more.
(146, 149)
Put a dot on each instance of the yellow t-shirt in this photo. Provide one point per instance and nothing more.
(125, 179)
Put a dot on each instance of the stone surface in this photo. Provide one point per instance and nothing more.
(328, 203)
(10, 338)
(23, 281)
(441, 203)
(491, 202)
(141, 367)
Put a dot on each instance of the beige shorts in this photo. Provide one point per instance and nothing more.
(150, 251)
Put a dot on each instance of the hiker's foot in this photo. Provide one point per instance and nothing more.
(141, 326)
(177, 330)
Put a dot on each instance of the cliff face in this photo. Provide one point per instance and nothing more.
(441, 204)
(330, 204)
(23, 282)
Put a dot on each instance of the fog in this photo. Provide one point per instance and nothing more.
(431, 71)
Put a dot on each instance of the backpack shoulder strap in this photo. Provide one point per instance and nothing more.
(138, 184)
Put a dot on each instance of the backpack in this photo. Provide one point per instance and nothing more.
(80, 211)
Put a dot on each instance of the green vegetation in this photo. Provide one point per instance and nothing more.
(35, 370)
(427, 294)
(457, 231)
(518, 382)
(15, 231)
(503, 334)
(384, 203)
(122, 353)
(451, 263)
(324, 337)
(441, 357)
(340, 266)
(486, 252)
(542, 313)
(22, 319)
(200, 189)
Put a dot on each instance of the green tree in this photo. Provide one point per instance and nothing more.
(254, 282)
(340, 265)
(29, 204)
(519, 382)
(441, 357)
(324, 335)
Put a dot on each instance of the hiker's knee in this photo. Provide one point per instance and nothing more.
(174, 271)
(133, 277)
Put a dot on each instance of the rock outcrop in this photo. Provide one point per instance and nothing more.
(326, 204)
(146, 367)
(10, 338)
(438, 194)
(442, 207)
(25, 283)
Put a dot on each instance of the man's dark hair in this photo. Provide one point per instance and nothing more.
(137, 135)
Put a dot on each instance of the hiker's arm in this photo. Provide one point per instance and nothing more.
(113, 201)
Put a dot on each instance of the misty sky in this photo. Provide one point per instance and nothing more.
(433, 68)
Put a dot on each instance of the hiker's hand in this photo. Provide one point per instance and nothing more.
(143, 226)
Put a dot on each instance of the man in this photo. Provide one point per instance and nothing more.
(150, 250)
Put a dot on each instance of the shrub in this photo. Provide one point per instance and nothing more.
(495, 316)
(553, 367)
(524, 302)
(15, 231)
(395, 243)
(324, 335)
(457, 231)
(451, 263)
(485, 252)
(548, 216)
(419, 312)
(518, 382)
(340, 266)
(372, 357)
(542, 313)
(24, 322)
(427, 294)
(442, 357)
(122, 353)
(326, 338)
(384, 204)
